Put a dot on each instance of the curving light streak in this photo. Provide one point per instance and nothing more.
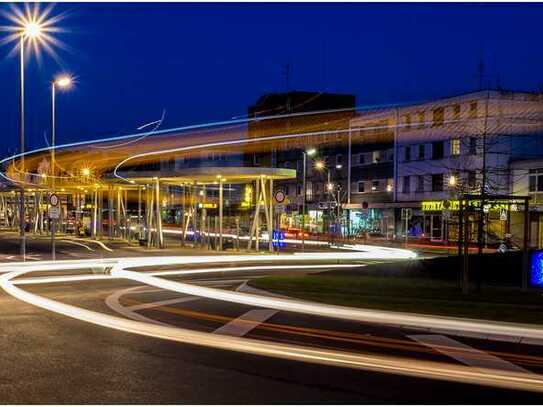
(383, 364)
(156, 133)
(399, 319)
(465, 327)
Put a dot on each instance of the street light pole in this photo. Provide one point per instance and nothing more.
(53, 135)
(62, 82)
(22, 220)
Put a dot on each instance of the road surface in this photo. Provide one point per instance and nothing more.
(50, 358)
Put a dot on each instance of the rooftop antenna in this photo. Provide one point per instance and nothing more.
(286, 74)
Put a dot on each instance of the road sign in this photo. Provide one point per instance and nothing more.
(279, 196)
(279, 208)
(53, 200)
(327, 205)
(54, 212)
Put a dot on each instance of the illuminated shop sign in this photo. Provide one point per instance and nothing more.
(454, 205)
(207, 205)
(536, 269)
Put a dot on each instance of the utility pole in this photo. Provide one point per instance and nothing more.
(303, 200)
(481, 223)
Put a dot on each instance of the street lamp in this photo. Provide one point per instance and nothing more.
(320, 165)
(62, 82)
(28, 30)
(309, 152)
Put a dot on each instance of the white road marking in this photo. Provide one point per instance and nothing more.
(113, 302)
(466, 354)
(99, 243)
(138, 307)
(246, 323)
(77, 244)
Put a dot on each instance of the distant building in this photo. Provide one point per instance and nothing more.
(302, 113)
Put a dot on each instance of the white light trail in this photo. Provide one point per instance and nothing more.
(464, 327)
(383, 364)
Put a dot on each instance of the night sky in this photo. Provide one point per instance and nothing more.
(208, 62)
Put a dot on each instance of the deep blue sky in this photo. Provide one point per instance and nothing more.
(208, 62)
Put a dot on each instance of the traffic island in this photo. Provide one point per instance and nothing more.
(415, 293)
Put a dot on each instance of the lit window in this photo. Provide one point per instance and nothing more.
(455, 146)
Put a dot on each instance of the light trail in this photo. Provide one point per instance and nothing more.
(463, 327)
(383, 364)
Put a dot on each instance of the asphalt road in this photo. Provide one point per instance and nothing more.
(49, 358)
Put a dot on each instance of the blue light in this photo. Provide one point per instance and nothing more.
(278, 238)
(536, 269)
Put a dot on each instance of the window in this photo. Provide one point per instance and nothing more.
(339, 159)
(361, 186)
(406, 184)
(420, 183)
(407, 153)
(407, 121)
(472, 145)
(438, 117)
(533, 182)
(389, 155)
(318, 189)
(420, 119)
(437, 150)
(437, 182)
(536, 181)
(376, 157)
(390, 185)
(455, 146)
(309, 191)
(375, 186)
(456, 112)
(473, 109)
(286, 164)
(472, 179)
(422, 151)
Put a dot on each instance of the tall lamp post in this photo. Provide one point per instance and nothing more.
(310, 152)
(62, 82)
(31, 31)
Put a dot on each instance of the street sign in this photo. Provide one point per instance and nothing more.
(280, 208)
(327, 205)
(54, 212)
(279, 196)
(53, 200)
